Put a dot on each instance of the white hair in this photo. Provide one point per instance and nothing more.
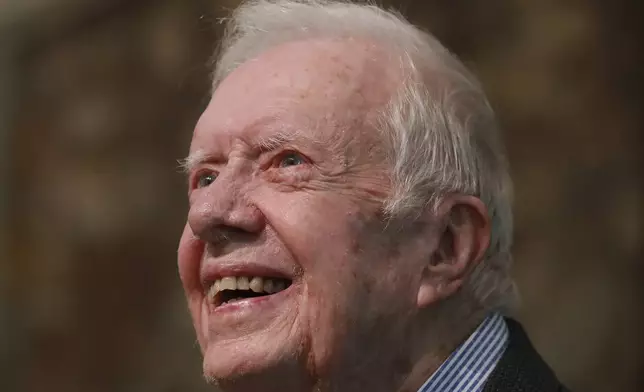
(440, 130)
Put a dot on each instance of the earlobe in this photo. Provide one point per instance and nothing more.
(427, 295)
(431, 291)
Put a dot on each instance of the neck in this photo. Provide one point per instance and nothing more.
(436, 344)
(382, 367)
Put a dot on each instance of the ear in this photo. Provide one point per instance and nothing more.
(463, 237)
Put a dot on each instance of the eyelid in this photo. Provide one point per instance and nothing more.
(274, 161)
(193, 176)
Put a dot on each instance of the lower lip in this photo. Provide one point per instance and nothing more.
(248, 304)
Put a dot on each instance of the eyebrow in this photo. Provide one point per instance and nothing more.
(187, 164)
(264, 144)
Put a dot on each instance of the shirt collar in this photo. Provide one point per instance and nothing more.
(469, 366)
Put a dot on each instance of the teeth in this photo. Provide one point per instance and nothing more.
(242, 283)
(257, 284)
(228, 283)
(214, 289)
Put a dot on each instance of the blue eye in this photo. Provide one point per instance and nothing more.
(205, 179)
(291, 159)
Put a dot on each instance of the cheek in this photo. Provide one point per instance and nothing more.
(188, 259)
(331, 238)
(189, 255)
(301, 219)
(353, 291)
(319, 234)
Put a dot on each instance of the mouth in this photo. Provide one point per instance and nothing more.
(229, 290)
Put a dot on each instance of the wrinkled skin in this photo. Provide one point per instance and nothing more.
(310, 205)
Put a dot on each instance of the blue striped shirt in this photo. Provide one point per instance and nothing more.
(467, 368)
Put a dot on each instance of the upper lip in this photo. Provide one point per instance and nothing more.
(211, 271)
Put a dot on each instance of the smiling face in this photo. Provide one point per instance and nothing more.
(287, 181)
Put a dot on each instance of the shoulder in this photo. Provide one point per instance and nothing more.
(521, 367)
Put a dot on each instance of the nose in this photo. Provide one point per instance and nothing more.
(222, 209)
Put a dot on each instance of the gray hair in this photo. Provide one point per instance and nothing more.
(440, 130)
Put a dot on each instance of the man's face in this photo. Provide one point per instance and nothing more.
(287, 181)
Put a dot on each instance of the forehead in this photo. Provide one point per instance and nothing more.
(318, 86)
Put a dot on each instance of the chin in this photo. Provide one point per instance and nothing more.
(254, 345)
(255, 365)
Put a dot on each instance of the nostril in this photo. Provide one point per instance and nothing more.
(222, 239)
(232, 231)
(219, 237)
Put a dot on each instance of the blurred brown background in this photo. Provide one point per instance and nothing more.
(97, 101)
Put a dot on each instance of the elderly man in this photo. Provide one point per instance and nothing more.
(349, 225)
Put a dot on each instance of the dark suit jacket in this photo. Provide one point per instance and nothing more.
(521, 369)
